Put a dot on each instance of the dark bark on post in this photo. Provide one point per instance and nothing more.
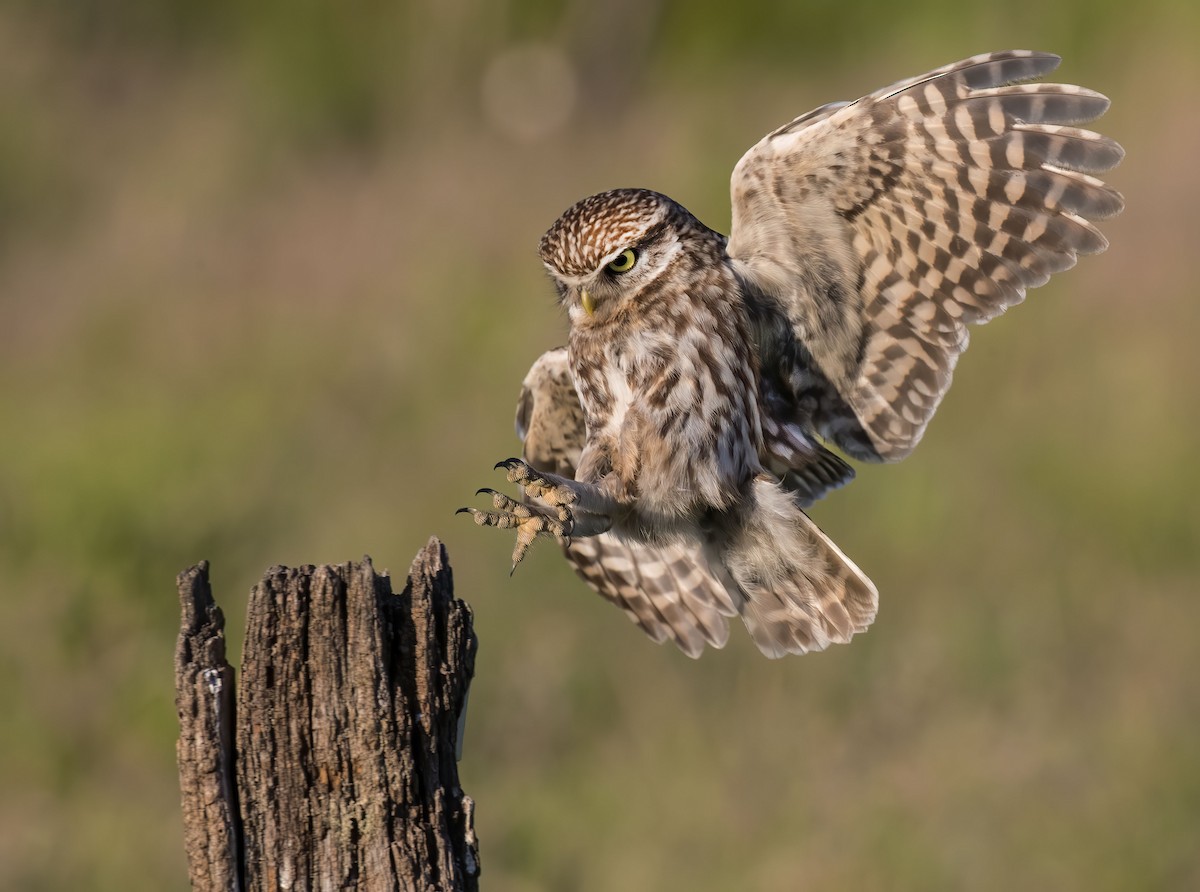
(347, 724)
(204, 701)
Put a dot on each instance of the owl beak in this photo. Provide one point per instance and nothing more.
(589, 305)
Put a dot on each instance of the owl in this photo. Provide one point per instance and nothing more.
(672, 446)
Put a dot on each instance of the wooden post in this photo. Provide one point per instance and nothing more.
(347, 720)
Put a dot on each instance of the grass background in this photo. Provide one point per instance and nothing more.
(268, 288)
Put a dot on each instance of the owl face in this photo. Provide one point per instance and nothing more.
(610, 246)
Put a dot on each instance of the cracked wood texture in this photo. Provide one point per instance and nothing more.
(346, 730)
(204, 701)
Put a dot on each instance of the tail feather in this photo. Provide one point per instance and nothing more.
(797, 591)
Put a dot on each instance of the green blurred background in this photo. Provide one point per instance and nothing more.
(268, 288)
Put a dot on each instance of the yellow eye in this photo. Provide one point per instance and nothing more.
(624, 262)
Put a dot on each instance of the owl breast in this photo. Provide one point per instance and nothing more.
(670, 394)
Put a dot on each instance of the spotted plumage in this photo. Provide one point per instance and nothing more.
(672, 445)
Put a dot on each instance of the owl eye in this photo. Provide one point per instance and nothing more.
(625, 261)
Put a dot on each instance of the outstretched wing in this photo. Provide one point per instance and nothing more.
(669, 591)
(883, 227)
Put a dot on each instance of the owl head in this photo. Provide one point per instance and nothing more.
(611, 246)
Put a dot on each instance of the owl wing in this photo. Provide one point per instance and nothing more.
(881, 228)
(797, 460)
(669, 591)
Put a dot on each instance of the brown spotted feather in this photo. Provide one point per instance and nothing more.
(668, 590)
(933, 203)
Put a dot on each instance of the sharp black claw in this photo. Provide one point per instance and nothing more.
(507, 464)
(512, 571)
(486, 489)
(463, 510)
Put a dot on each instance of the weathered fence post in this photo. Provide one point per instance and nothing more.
(346, 723)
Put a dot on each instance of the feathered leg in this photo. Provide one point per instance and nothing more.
(563, 508)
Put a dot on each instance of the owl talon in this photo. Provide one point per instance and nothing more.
(530, 521)
(536, 484)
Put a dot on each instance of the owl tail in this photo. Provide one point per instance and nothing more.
(793, 587)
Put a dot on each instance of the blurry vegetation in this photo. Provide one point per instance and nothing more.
(267, 291)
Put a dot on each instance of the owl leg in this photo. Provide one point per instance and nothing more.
(530, 521)
(565, 508)
(557, 491)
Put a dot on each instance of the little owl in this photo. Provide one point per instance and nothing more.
(672, 446)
